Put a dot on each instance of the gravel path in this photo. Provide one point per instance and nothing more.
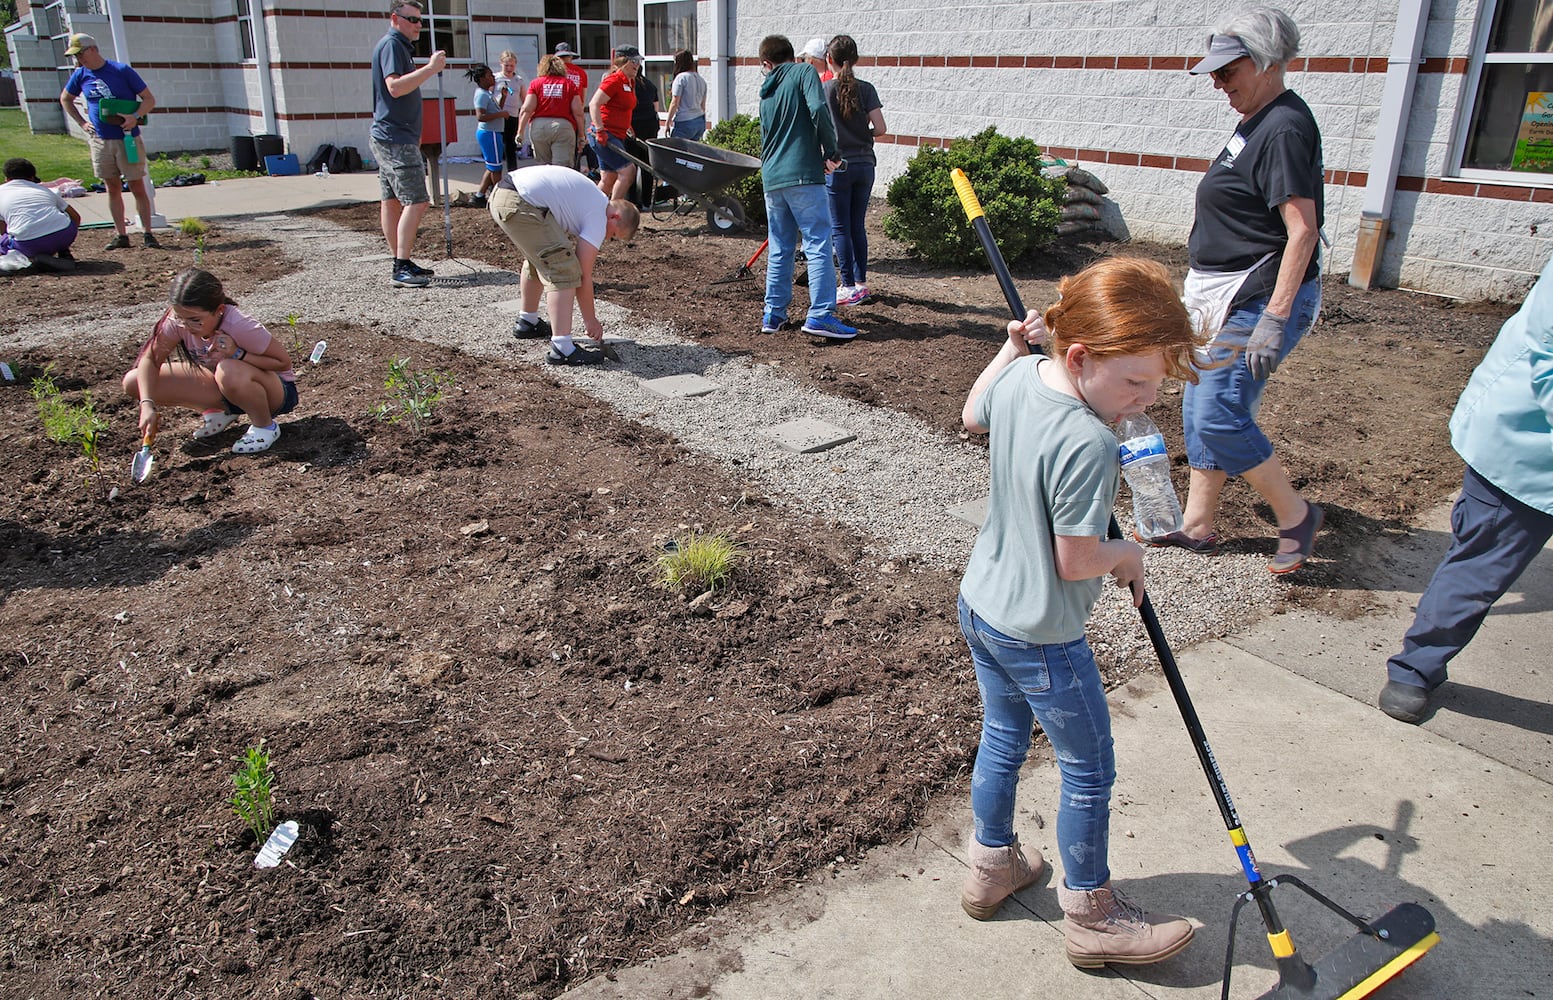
(893, 483)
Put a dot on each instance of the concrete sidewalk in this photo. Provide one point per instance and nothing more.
(1456, 815)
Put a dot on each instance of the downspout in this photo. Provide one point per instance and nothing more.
(1391, 129)
(116, 32)
(722, 91)
(261, 55)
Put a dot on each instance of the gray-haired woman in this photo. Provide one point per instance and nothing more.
(1255, 277)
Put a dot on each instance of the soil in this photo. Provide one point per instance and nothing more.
(517, 761)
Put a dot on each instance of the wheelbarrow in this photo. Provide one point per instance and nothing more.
(698, 171)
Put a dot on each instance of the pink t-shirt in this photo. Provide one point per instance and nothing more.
(245, 331)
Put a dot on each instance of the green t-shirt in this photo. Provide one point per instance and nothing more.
(1054, 472)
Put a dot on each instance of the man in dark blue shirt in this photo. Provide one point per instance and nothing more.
(96, 78)
(396, 136)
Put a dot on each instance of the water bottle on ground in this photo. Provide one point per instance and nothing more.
(1156, 511)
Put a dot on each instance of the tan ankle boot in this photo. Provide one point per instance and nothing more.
(1101, 925)
(996, 874)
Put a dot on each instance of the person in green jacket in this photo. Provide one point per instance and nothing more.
(798, 149)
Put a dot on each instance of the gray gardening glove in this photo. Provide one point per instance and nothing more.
(1265, 343)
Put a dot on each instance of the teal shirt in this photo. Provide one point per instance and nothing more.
(796, 133)
(1502, 421)
(1055, 471)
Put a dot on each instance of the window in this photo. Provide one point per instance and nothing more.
(1510, 118)
(446, 28)
(245, 27)
(582, 24)
(667, 27)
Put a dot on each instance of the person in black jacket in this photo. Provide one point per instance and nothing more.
(644, 123)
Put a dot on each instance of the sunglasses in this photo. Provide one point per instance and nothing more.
(1223, 73)
(412, 18)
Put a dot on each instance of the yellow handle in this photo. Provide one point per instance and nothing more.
(968, 199)
(145, 442)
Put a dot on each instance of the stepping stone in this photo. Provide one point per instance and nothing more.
(372, 258)
(679, 386)
(272, 218)
(293, 228)
(971, 511)
(807, 435)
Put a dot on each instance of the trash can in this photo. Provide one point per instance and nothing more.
(244, 156)
(268, 145)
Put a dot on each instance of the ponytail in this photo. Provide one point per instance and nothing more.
(842, 51)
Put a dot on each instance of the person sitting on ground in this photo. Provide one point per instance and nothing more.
(1116, 331)
(611, 109)
(208, 356)
(490, 127)
(35, 220)
(1503, 428)
(559, 219)
(552, 116)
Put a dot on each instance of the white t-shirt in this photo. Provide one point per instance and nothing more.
(515, 91)
(575, 202)
(32, 211)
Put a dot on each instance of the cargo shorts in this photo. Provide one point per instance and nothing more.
(401, 172)
(548, 250)
(110, 160)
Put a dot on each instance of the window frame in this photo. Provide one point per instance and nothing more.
(570, 30)
(247, 24)
(661, 64)
(430, 39)
(1478, 59)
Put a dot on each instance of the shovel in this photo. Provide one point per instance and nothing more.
(140, 468)
(746, 269)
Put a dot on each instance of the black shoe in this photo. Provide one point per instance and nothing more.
(119, 242)
(423, 272)
(65, 255)
(1404, 702)
(524, 330)
(151, 242)
(579, 356)
(477, 201)
(405, 277)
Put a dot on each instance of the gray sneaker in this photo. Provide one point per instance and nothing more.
(404, 277)
(1404, 702)
(151, 241)
(119, 242)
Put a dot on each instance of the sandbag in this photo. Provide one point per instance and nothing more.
(1080, 212)
(1074, 228)
(1083, 178)
(1076, 195)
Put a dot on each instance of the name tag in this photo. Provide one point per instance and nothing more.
(1237, 142)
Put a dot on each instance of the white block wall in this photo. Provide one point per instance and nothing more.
(1452, 241)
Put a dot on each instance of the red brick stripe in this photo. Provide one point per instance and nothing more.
(1453, 65)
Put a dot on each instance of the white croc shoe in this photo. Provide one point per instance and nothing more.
(256, 440)
(213, 423)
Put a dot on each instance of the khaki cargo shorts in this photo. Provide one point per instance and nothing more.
(548, 250)
(110, 160)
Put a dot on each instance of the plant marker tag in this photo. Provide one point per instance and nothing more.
(318, 351)
(279, 843)
(6, 373)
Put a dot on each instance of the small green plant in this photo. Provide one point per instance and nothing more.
(1022, 206)
(205, 162)
(296, 336)
(412, 395)
(69, 423)
(254, 797)
(698, 563)
(741, 133)
(191, 226)
(199, 249)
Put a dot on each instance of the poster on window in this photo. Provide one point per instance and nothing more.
(1534, 142)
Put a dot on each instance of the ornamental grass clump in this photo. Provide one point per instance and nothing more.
(698, 563)
(254, 798)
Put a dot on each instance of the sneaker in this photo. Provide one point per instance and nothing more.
(852, 295)
(772, 323)
(424, 272)
(830, 328)
(477, 201)
(119, 242)
(213, 423)
(525, 330)
(256, 440)
(405, 277)
(151, 241)
(1404, 702)
(579, 356)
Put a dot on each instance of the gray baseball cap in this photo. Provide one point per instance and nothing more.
(1222, 50)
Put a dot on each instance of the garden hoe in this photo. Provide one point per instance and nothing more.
(746, 269)
(1381, 948)
(140, 468)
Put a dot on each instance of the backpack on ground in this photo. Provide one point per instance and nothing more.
(322, 155)
(352, 159)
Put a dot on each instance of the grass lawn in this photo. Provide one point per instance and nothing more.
(67, 155)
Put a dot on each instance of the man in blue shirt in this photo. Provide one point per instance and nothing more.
(1503, 429)
(96, 78)
(396, 136)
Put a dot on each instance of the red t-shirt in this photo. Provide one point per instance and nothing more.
(579, 76)
(554, 94)
(616, 112)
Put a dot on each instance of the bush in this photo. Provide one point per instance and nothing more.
(741, 133)
(1021, 206)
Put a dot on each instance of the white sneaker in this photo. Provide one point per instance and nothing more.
(852, 295)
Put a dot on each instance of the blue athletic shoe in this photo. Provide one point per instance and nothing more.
(830, 328)
(772, 323)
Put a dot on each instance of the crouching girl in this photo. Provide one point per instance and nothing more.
(208, 356)
(1117, 330)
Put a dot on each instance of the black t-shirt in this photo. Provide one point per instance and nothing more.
(853, 138)
(1272, 158)
(644, 117)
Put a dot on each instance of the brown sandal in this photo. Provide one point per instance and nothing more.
(1302, 534)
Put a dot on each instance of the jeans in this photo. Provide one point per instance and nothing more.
(790, 212)
(1218, 414)
(1494, 537)
(1059, 686)
(849, 191)
(689, 128)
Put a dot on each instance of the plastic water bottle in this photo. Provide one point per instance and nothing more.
(318, 351)
(1156, 510)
